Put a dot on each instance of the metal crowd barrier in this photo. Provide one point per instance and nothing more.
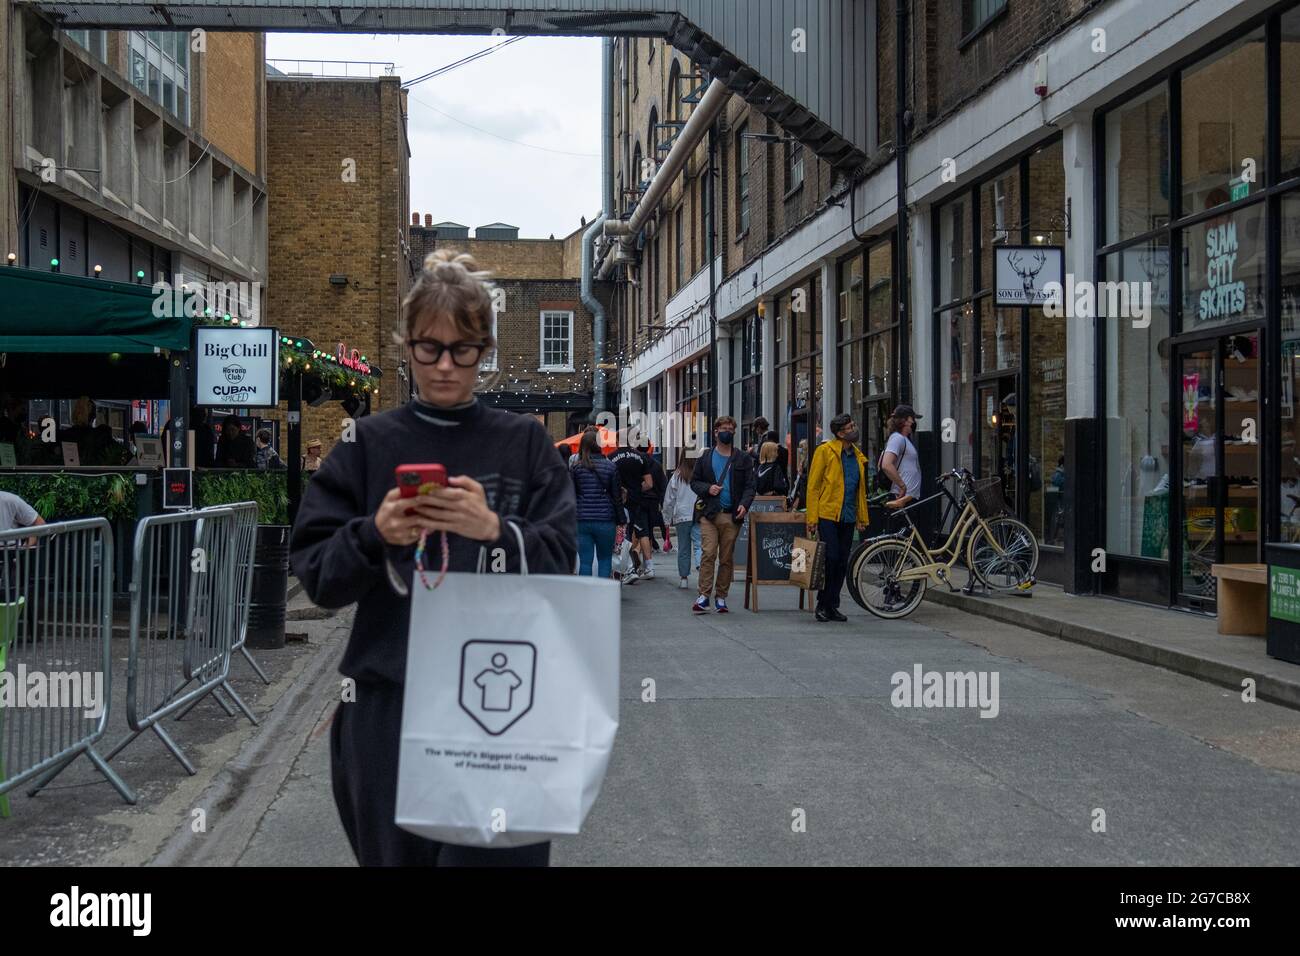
(246, 523)
(189, 596)
(56, 607)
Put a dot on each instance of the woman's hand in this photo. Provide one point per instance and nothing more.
(395, 526)
(460, 508)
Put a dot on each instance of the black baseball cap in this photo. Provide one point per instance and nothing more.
(905, 411)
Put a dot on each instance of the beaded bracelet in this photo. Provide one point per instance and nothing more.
(419, 560)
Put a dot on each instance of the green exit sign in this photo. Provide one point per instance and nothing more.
(1240, 190)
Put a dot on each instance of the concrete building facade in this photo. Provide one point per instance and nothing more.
(141, 152)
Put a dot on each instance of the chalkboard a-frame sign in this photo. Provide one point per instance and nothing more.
(771, 541)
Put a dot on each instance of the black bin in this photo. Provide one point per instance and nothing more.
(1283, 601)
(270, 587)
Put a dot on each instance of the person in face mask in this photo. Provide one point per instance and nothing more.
(837, 505)
(724, 484)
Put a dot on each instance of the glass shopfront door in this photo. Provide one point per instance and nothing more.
(998, 435)
(1220, 438)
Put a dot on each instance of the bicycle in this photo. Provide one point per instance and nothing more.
(889, 573)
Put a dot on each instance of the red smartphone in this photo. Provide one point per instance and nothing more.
(415, 480)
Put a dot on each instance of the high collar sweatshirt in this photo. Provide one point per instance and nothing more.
(340, 557)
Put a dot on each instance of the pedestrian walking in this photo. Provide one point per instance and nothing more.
(724, 482)
(638, 486)
(355, 539)
(769, 479)
(658, 488)
(679, 508)
(837, 505)
(599, 506)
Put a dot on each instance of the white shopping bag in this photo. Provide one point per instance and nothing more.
(510, 706)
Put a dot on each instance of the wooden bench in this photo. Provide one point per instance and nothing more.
(1243, 598)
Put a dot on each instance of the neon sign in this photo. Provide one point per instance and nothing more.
(352, 360)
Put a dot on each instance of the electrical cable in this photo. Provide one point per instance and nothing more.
(458, 63)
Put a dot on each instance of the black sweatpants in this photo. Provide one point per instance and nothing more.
(364, 745)
(838, 538)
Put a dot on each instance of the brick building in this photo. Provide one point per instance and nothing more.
(338, 172)
(1103, 135)
(544, 357)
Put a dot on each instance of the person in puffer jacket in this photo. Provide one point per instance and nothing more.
(679, 511)
(599, 494)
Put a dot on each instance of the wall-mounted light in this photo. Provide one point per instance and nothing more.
(98, 269)
(339, 279)
(139, 276)
(11, 258)
(54, 264)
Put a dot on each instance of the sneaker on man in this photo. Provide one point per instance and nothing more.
(648, 572)
(631, 577)
(701, 605)
(722, 605)
(684, 584)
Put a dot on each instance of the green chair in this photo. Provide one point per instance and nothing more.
(9, 614)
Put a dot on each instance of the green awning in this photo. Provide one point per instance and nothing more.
(49, 312)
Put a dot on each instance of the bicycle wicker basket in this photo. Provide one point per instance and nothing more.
(988, 499)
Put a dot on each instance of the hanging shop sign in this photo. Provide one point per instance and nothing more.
(1024, 272)
(237, 367)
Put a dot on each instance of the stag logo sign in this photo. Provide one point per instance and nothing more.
(1023, 272)
(237, 366)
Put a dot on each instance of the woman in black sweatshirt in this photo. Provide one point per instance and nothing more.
(354, 541)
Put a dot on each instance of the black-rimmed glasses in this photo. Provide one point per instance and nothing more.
(463, 354)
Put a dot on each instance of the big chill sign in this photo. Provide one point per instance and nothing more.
(237, 366)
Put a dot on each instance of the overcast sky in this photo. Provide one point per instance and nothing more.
(512, 137)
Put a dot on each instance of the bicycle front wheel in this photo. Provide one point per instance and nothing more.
(878, 588)
(1005, 556)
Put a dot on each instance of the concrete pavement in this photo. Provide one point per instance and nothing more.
(764, 721)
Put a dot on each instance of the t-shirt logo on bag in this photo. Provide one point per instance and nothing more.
(496, 682)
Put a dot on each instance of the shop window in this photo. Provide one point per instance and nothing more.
(999, 336)
(1137, 412)
(957, 375)
(999, 220)
(1223, 269)
(1137, 166)
(1223, 123)
(1290, 87)
(1044, 421)
(880, 295)
(1289, 491)
(955, 257)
